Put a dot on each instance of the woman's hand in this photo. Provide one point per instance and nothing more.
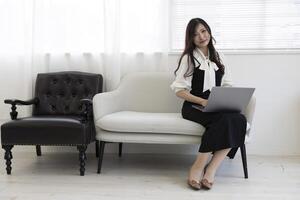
(204, 102)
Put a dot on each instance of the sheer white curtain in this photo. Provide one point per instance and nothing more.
(111, 37)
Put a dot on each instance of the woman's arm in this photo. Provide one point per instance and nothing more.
(186, 95)
(182, 84)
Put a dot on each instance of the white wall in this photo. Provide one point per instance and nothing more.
(276, 128)
(277, 119)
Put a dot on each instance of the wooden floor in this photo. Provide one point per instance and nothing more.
(145, 176)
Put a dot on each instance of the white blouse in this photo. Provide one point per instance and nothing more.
(209, 67)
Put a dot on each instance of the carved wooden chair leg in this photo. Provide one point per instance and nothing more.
(8, 156)
(38, 150)
(82, 158)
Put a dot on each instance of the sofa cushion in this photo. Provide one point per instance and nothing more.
(129, 121)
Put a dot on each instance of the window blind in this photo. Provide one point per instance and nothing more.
(236, 24)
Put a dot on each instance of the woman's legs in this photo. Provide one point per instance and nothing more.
(214, 164)
(196, 171)
(222, 129)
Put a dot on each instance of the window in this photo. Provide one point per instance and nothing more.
(236, 24)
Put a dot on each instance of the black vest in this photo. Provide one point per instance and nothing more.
(198, 81)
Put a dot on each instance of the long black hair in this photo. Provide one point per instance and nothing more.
(190, 46)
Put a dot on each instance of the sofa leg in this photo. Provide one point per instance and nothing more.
(82, 158)
(120, 149)
(8, 156)
(97, 143)
(38, 150)
(101, 152)
(244, 160)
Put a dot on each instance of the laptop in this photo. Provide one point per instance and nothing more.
(227, 99)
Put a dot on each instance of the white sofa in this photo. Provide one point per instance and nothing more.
(144, 109)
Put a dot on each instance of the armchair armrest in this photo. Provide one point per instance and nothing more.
(106, 103)
(21, 102)
(87, 113)
(86, 101)
(14, 102)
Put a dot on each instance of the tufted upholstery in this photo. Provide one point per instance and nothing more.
(60, 93)
(62, 114)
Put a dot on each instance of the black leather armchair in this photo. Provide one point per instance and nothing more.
(62, 115)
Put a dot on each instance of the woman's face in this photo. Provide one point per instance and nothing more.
(201, 36)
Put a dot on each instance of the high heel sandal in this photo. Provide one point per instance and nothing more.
(206, 184)
(194, 184)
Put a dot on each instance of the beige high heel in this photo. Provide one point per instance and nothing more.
(206, 184)
(194, 184)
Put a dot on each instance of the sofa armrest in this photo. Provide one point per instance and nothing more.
(249, 112)
(106, 103)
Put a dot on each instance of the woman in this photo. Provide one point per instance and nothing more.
(199, 69)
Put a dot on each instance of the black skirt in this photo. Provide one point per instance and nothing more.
(223, 130)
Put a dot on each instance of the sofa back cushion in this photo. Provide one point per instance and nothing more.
(149, 92)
